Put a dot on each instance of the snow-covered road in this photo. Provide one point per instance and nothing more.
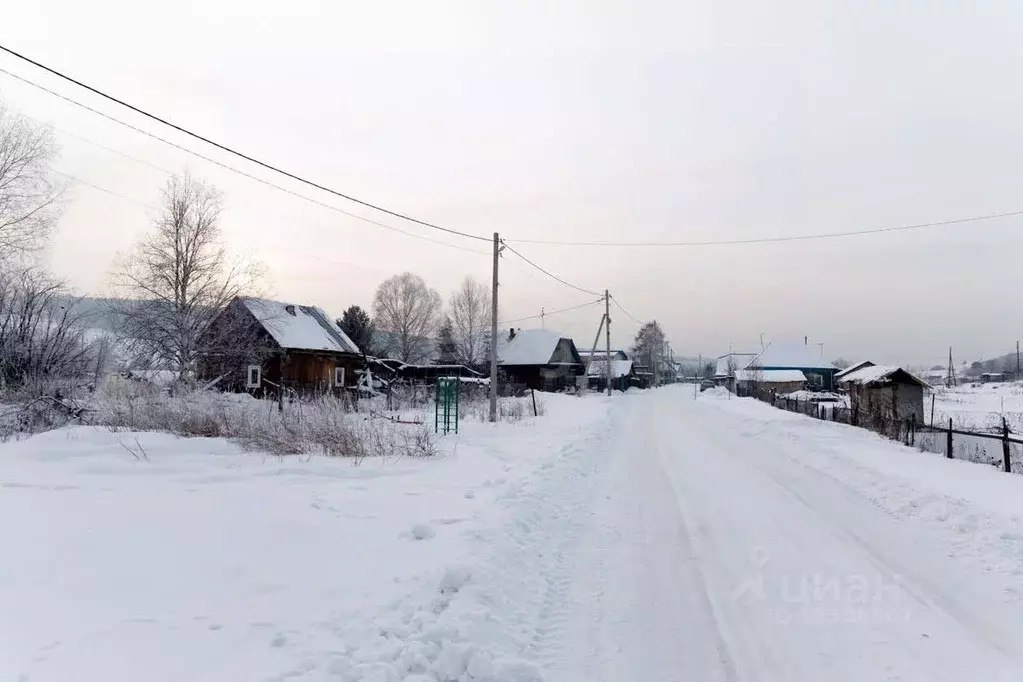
(731, 541)
(654, 536)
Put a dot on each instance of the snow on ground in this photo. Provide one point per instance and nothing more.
(658, 535)
(197, 561)
(978, 406)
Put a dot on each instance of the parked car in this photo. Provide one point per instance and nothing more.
(705, 384)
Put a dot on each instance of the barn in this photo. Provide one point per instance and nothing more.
(266, 347)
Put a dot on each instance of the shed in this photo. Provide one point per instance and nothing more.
(880, 395)
(539, 358)
(773, 380)
(266, 346)
(800, 356)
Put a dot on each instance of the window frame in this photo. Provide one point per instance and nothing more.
(340, 382)
(249, 383)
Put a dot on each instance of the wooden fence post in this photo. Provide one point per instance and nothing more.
(912, 429)
(1006, 460)
(533, 394)
(948, 452)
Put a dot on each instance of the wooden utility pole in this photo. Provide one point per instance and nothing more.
(950, 379)
(543, 324)
(1017, 361)
(493, 333)
(607, 332)
(593, 352)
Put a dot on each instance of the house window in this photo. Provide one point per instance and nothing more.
(816, 380)
(254, 376)
(339, 376)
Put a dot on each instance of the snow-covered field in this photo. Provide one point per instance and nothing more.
(651, 536)
(978, 406)
(204, 562)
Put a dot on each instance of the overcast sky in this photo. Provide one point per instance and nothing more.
(596, 120)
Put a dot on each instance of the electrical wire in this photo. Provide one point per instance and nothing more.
(94, 186)
(221, 165)
(773, 240)
(553, 312)
(229, 150)
(634, 319)
(550, 274)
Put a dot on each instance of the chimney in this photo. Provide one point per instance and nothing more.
(511, 333)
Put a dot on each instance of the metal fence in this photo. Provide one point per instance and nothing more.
(1002, 449)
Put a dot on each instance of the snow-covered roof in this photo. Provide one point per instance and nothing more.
(779, 355)
(732, 361)
(881, 374)
(770, 376)
(853, 368)
(299, 327)
(619, 368)
(529, 347)
(586, 352)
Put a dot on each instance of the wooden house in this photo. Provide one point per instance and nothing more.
(539, 358)
(882, 395)
(266, 347)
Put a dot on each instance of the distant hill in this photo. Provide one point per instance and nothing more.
(1003, 363)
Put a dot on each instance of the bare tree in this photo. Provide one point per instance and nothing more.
(408, 311)
(178, 278)
(470, 317)
(41, 334)
(29, 198)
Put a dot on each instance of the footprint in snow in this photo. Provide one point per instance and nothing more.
(279, 640)
(422, 531)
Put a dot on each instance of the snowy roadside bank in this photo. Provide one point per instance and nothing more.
(202, 562)
(978, 508)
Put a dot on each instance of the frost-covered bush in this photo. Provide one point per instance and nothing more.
(325, 425)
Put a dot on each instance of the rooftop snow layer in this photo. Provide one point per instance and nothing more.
(791, 355)
(854, 368)
(770, 376)
(619, 368)
(529, 347)
(869, 375)
(300, 327)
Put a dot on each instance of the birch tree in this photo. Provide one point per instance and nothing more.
(179, 278)
(29, 196)
(408, 311)
(470, 319)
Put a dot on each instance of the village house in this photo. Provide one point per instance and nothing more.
(539, 358)
(883, 395)
(818, 372)
(266, 347)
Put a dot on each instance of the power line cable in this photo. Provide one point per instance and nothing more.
(111, 192)
(225, 167)
(771, 240)
(553, 312)
(550, 274)
(634, 319)
(241, 155)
